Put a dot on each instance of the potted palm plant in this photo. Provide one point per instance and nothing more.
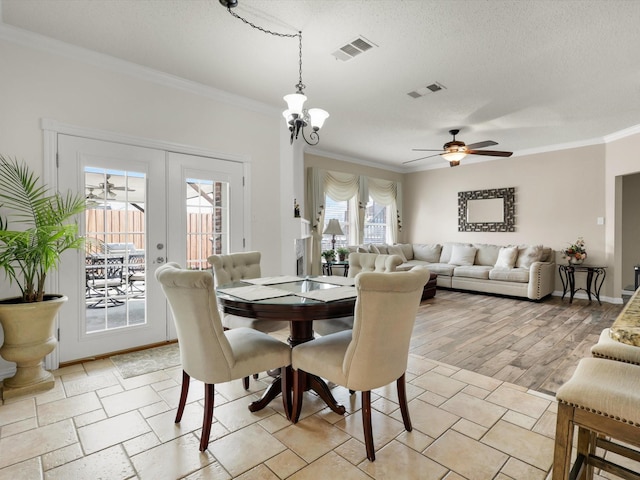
(44, 229)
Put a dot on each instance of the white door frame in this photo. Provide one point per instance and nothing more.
(51, 129)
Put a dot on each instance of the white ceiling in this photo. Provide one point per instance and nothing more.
(528, 74)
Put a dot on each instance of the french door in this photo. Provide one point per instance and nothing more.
(145, 206)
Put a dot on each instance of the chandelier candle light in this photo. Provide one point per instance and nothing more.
(296, 116)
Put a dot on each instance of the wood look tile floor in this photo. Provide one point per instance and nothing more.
(481, 376)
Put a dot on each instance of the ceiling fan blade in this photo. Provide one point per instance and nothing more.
(491, 153)
(421, 158)
(486, 143)
(124, 189)
(426, 150)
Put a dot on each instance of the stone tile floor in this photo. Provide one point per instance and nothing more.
(95, 424)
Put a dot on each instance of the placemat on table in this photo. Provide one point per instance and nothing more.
(272, 280)
(254, 292)
(330, 294)
(335, 280)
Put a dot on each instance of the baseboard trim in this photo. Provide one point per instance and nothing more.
(583, 296)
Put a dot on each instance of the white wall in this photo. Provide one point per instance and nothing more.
(35, 84)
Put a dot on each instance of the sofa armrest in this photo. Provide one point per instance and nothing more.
(542, 279)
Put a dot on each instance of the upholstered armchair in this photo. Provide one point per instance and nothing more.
(375, 352)
(208, 353)
(358, 262)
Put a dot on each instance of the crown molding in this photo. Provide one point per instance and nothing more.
(627, 132)
(36, 41)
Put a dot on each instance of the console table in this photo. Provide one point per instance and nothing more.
(595, 279)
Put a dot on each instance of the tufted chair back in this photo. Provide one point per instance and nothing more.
(195, 311)
(372, 262)
(385, 312)
(235, 266)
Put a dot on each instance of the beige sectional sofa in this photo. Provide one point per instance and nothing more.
(522, 271)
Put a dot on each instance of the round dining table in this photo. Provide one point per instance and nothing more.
(300, 309)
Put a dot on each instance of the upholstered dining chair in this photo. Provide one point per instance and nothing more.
(236, 267)
(375, 352)
(358, 262)
(208, 353)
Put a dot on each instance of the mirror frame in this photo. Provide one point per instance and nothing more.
(509, 197)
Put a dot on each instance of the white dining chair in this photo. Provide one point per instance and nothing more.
(375, 352)
(208, 352)
(358, 262)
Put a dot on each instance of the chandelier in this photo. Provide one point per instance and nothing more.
(296, 116)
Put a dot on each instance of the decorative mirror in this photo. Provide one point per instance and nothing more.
(487, 210)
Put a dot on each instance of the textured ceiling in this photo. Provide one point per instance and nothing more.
(527, 74)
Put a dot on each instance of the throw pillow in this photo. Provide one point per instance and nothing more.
(462, 255)
(397, 250)
(507, 257)
(427, 253)
(528, 255)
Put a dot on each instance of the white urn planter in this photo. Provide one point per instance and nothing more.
(28, 338)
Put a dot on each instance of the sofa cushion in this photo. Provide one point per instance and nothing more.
(527, 254)
(507, 257)
(409, 264)
(445, 253)
(463, 255)
(520, 275)
(371, 248)
(444, 269)
(473, 271)
(487, 254)
(547, 255)
(407, 249)
(427, 253)
(397, 250)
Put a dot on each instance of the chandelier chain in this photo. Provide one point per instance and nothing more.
(300, 86)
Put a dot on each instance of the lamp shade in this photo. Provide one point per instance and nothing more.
(317, 116)
(295, 103)
(333, 228)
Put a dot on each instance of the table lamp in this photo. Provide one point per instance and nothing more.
(333, 228)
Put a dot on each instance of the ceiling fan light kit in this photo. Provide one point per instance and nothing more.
(455, 150)
(296, 116)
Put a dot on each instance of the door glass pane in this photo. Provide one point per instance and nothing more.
(115, 249)
(207, 204)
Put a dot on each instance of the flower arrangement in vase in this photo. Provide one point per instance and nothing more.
(575, 253)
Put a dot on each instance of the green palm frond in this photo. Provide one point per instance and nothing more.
(48, 227)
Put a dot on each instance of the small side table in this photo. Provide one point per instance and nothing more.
(567, 275)
(327, 267)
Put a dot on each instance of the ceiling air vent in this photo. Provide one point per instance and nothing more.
(421, 92)
(353, 49)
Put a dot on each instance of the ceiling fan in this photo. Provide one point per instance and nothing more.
(455, 150)
(107, 188)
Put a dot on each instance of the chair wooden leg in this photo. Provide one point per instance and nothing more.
(245, 383)
(366, 423)
(183, 396)
(404, 407)
(286, 380)
(298, 390)
(208, 416)
(563, 445)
